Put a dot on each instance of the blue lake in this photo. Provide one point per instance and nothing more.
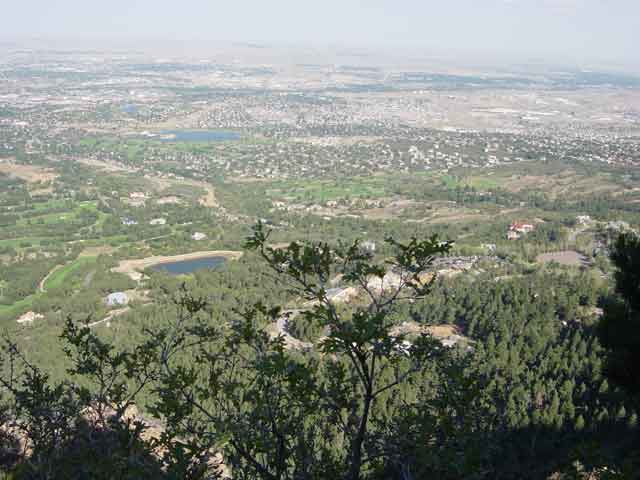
(189, 266)
(202, 136)
(129, 108)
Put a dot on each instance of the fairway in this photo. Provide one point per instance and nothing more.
(56, 278)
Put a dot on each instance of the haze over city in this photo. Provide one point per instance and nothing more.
(557, 30)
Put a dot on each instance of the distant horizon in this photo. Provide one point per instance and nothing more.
(581, 31)
(195, 48)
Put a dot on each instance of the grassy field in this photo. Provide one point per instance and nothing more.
(58, 276)
(32, 229)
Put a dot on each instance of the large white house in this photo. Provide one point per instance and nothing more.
(116, 299)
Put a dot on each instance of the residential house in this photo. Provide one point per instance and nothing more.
(116, 299)
(517, 229)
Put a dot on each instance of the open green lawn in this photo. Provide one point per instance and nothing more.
(58, 276)
(481, 183)
(49, 204)
(477, 182)
(71, 211)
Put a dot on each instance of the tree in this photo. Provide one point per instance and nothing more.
(276, 414)
(73, 430)
(579, 423)
(228, 387)
(619, 329)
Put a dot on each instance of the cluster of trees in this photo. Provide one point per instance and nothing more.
(13, 190)
(60, 222)
(22, 278)
(620, 326)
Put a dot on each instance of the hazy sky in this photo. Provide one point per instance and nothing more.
(583, 29)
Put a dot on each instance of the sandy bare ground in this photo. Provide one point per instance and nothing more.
(209, 198)
(132, 268)
(28, 173)
(278, 329)
(568, 257)
(106, 166)
(438, 331)
(96, 251)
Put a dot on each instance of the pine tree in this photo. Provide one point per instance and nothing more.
(568, 409)
(622, 413)
(604, 387)
(619, 328)
(579, 423)
(603, 415)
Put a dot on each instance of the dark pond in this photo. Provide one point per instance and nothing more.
(188, 266)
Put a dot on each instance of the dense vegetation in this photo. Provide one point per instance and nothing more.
(523, 395)
(620, 327)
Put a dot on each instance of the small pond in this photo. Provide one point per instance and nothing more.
(202, 136)
(183, 267)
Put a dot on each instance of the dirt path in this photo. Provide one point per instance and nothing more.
(44, 280)
(106, 166)
(278, 329)
(112, 315)
(566, 257)
(209, 199)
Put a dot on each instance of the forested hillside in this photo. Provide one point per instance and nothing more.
(522, 392)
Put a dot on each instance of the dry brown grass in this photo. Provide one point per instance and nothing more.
(565, 184)
(568, 257)
(96, 251)
(443, 331)
(437, 331)
(28, 173)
